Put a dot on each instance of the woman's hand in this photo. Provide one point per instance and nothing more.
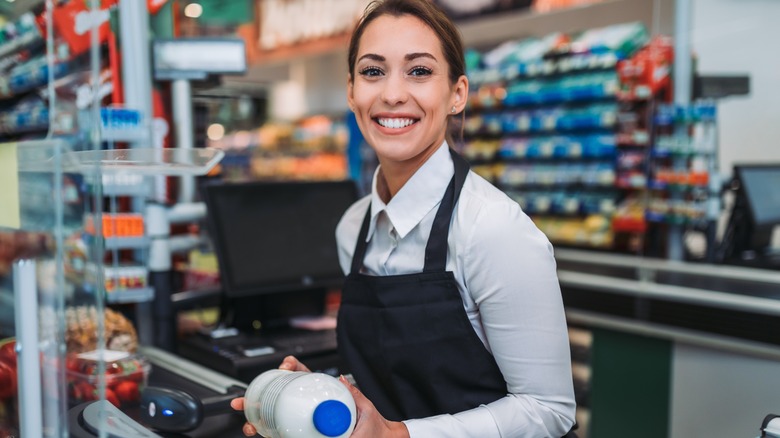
(370, 423)
(238, 404)
(290, 363)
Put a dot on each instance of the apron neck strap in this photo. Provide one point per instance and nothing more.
(436, 249)
(361, 245)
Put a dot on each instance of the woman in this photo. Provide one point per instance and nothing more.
(451, 318)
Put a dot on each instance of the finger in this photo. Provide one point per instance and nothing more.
(237, 403)
(289, 363)
(360, 399)
(249, 430)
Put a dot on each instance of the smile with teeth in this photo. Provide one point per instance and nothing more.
(395, 123)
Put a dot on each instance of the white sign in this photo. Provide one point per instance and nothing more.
(287, 22)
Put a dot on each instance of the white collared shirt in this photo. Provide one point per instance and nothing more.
(505, 270)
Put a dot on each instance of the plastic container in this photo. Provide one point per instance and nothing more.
(287, 404)
(126, 376)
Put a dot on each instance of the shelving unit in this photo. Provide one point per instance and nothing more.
(542, 127)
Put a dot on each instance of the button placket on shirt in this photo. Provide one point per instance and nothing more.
(393, 237)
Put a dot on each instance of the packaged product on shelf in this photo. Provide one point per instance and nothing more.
(81, 330)
(647, 72)
(116, 224)
(623, 39)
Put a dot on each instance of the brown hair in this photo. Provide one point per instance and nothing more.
(425, 11)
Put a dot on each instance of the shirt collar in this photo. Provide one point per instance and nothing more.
(421, 193)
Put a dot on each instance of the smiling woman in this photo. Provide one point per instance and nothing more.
(402, 98)
(451, 319)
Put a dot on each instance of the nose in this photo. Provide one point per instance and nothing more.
(395, 91)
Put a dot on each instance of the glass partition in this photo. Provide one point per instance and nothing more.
(55, 329)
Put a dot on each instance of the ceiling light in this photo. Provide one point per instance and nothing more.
(215, 131)
(193, 10)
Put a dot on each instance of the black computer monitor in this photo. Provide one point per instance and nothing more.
(276, 240)
(761, 186)
(756, 211)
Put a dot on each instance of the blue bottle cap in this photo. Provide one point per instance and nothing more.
(332, 418)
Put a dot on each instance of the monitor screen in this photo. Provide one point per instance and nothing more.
(277, 236)
(761, 186)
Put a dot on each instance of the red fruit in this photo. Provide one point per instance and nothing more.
(8, 351)
(88, 368)
(73, 364)
(7, 381)
(111, 397)
(127, 391)
(87, 391)
(133, 370)
(113, 368)
(136, 376)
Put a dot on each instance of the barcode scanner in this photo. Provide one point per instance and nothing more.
(175, 410)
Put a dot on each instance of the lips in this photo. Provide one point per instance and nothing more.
(395, 122)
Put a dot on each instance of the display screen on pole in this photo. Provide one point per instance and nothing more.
(195, 58)
(761, 185)
(277, 236)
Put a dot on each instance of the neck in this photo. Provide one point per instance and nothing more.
(394, 174)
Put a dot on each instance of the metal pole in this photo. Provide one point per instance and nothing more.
(137, 90)
(683, 76)
(158, 228)
(181, 92)
(136, 71)
(29, 364)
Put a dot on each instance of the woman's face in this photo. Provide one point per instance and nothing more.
(400, 90)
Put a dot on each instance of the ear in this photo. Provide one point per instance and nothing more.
(350, 95)
(460, 92)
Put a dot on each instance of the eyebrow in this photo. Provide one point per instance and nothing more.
(408, 57)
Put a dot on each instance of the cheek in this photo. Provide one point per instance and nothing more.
(436, 100)
(362, 105)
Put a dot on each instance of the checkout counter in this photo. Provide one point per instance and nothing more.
(676, 349)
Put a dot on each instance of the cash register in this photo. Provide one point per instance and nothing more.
(754, 219)
(276, 248)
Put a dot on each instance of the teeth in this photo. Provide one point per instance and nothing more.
(395, 123)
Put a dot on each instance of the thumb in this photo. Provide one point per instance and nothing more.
(360, 399)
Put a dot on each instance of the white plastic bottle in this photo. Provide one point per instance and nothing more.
(288, 404)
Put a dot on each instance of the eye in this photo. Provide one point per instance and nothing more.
(370, 71)
(420, 71)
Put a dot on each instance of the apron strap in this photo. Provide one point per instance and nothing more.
(361, 245)
(436, 249)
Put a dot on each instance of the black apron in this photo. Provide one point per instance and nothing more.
(407, 339)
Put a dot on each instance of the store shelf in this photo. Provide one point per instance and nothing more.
(139, 295)
(492, 30)
(113, 243)
(140, 190)
(19, 43)
(149, 161)
(42, 157)
(580, 63)
(127, 135)
(481, 32)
